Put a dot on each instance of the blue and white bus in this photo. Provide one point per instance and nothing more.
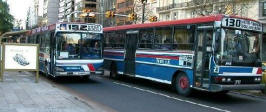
(69, 49)
(215, 53)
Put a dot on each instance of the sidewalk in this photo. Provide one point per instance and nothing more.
(20, 93)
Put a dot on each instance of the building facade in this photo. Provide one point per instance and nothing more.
(70, 10)
(182, 9)
(108, 5)
(50, 11)
(125, 7)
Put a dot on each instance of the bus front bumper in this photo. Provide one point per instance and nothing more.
(218, 87)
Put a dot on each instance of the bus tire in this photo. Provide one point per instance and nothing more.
(182, 84)
(113, 71)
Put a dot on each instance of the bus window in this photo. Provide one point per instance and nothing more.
(68, 45)
(146, 39)
(238, 47)
(46, 43)
(163, 38)
(183, 39)
(114, 40)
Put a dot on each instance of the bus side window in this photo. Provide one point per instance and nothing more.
(47, 43)
(146, 39)
(115, 40)
(163, 38)
(183, 39)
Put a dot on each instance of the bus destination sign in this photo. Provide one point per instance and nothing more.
(95, 28)
(241, 24)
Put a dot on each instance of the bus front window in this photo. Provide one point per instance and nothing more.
(239, 48)
(68, 45)
(78, 46)
(91, 47)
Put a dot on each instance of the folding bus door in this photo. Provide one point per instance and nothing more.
(203, 54)
(130, 52)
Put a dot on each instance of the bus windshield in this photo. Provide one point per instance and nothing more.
(239, 48)
(78, 46)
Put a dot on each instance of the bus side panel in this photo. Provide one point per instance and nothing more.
(190, 73)
(120, 66)
(155, 72)
(160, 73)
(107, 64)
(116, 57)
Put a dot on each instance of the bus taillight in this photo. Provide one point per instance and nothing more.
(259, 70)
(91, 67)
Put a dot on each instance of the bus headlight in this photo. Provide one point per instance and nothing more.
(228, 79)
(223, 79)
(257, 79)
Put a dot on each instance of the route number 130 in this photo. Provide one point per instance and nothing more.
(232, 22)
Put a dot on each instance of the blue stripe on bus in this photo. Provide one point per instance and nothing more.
(97, 65)
(235, 69)
(154, 60)
(120, 66)
(114, 56)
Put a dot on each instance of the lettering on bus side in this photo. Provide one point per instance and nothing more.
(162, 61)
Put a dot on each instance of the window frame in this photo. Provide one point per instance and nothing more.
(264, 8)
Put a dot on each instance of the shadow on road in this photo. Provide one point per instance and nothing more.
(229, 98)
(197, 96)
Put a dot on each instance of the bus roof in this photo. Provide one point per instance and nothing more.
(204, 19)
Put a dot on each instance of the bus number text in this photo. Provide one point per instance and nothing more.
(162, 61)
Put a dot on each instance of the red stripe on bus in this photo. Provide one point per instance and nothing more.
(157, 56)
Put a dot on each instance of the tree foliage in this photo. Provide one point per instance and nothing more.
(6, 20)
(148, 12)
(231, 7)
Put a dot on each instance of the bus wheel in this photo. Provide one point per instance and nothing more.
(113, 71)
(182, 85)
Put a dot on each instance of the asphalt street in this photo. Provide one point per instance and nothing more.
(138, 95)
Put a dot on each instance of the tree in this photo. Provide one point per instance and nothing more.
(230, 7)
(6, 20)
(148, 12)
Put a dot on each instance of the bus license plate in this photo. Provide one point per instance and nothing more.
(237, 82)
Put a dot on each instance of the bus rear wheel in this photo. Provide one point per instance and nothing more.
(182, 85)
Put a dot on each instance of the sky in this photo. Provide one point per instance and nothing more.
(19, 8)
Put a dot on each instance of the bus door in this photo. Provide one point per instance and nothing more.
(52, 52)
(203, 53)
(130, 52)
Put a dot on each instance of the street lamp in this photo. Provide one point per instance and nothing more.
(143, 9)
